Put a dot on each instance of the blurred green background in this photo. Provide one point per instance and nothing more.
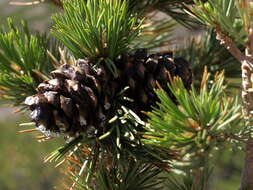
(21, 156)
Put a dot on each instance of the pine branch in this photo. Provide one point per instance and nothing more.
(229, 44)
(223, 16)
(103, 30)
(24, 62)
(199, 120)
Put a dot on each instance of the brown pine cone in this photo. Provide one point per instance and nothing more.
(80, 99)
(143, 73)
(73, 102)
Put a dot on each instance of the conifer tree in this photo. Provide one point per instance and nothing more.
(131, 114)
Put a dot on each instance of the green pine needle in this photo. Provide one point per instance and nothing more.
(96, 28)
(226, 15)
(131, 176)
(24, 62)
(199, 120)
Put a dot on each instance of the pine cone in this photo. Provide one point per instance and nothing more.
(73, 102)
(142, 73)
(80, 99)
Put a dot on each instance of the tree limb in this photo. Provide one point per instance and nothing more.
(228, 43)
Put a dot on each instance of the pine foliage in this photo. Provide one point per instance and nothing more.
(226, 16)
(200, 122)
(24, 61)
(96, 29)
(128, 119)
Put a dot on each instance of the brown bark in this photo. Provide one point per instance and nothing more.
(247, 97)
(246, 60)
(228, 43)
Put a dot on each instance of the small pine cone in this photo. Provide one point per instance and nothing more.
(143, 72)
(73, 102)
